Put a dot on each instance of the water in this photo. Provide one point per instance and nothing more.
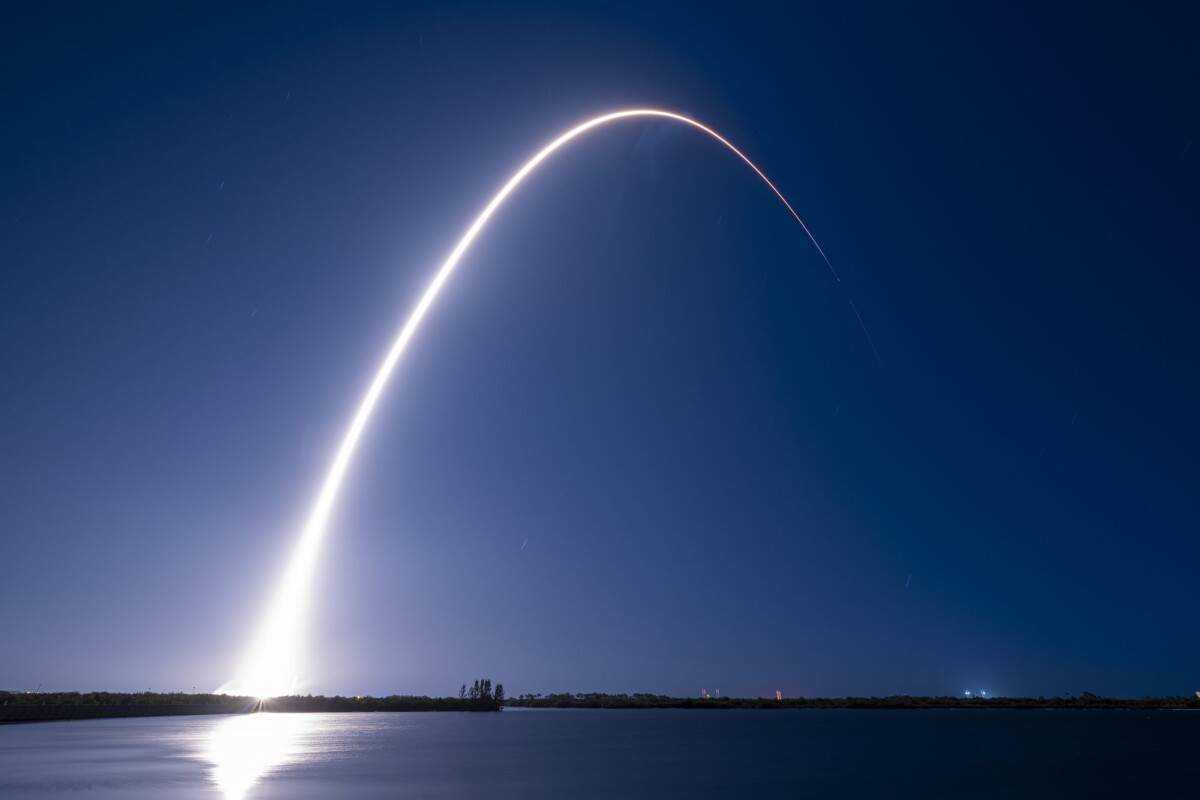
(592, 754)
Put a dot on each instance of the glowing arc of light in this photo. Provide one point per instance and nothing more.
(269, 668)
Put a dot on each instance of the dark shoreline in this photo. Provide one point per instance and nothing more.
(45, 707)
(1085, 701)
(27, 712)
(49, 706)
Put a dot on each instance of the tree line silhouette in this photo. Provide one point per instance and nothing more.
(481, 691)
(1085, 700)
(482, 695)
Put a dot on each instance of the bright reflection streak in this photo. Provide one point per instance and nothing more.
(272, 665)
(245, 748)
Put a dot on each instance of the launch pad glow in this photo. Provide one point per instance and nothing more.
(271, 667)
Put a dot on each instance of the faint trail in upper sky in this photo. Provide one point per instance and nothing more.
(863, 325)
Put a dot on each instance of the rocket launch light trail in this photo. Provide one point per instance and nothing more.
(270, 668)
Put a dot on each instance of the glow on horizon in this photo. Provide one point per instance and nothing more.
(271, 668)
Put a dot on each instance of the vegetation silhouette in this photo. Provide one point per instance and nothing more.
(483, 695)
(1086, 700)
(37, 706)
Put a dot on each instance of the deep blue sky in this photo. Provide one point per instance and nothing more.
(643, 367)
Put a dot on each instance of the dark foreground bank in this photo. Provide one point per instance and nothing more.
(48, 706)
(1084, 701)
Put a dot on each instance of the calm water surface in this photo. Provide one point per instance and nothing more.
(590, 754)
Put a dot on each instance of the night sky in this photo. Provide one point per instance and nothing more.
(642, 443)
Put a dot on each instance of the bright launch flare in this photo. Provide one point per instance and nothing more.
(271, 667)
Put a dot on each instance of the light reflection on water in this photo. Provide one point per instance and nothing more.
(597, 755)
(243, 749)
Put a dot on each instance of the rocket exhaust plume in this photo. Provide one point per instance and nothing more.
(272, 664)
